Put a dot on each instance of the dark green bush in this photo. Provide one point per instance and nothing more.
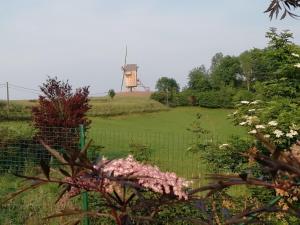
(215, 99)
(159, 96)
(243, 95)
(140, 152)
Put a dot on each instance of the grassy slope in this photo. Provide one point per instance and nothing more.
(176, 120)
(104, 106)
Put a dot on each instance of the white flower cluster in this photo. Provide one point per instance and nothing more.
(252, 132)
(292, 133)
(254, 102)
(273, 123)
(260, 127)
(268, 130)
(278, 133)
(297, 65)
(245, 102)
(296, 55)
(249, 120)
(223, 146)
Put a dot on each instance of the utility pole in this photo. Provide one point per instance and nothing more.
(167, 97)
(7, 97)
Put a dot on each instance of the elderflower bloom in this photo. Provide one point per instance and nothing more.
(297, 65)
(243, 123)
(292, 133)
(278, 133)
(251, 120)
(223, 146)
(273, 123)
(296, 55)
(251, 110)
(267, 135)
(252, 132)
(245, 102)
(260, 127)
(254, 102)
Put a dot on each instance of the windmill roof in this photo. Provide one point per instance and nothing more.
(130, 67)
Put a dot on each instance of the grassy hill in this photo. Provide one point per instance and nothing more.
(122, 104)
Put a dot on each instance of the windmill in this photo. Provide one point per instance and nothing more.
(129, 74)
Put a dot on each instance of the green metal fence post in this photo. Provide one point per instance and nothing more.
(85, 198)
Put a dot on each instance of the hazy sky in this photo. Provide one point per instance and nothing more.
(84, 40)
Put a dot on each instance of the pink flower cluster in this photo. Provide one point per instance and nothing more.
(145, 176)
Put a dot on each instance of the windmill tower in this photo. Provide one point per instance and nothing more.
(129, 75)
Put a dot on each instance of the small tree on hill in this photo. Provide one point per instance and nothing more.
(111, 93)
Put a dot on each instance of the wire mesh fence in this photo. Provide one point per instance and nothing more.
(20, 152)
(169, 151)
(23, 153)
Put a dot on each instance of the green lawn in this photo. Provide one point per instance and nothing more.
(165, 133)
(177, 120)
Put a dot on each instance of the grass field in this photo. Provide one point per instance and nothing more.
(165, 132)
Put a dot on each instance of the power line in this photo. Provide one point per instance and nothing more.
(25, 88)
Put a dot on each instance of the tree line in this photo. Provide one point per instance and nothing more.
(273, 70)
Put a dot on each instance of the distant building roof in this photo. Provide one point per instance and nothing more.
(130, 67)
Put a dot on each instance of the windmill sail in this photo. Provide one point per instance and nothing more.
(124, 68)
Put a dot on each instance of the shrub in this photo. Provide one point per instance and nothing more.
(241, 95)
(215, 99)
(60, 107)
(159, 96)
(278, 88)
(111, 93)
(60, 112)
(186, 98)
(140, 152)
(132, 192)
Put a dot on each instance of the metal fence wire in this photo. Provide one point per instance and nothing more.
(18, 153)
(169, 151)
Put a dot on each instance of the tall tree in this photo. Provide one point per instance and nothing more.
(247, 64)
(198, 79)
(280, 54)
(167, 84)
(227, 72)
(215, 61)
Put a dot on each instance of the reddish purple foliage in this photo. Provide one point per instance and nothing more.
(60, 109)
